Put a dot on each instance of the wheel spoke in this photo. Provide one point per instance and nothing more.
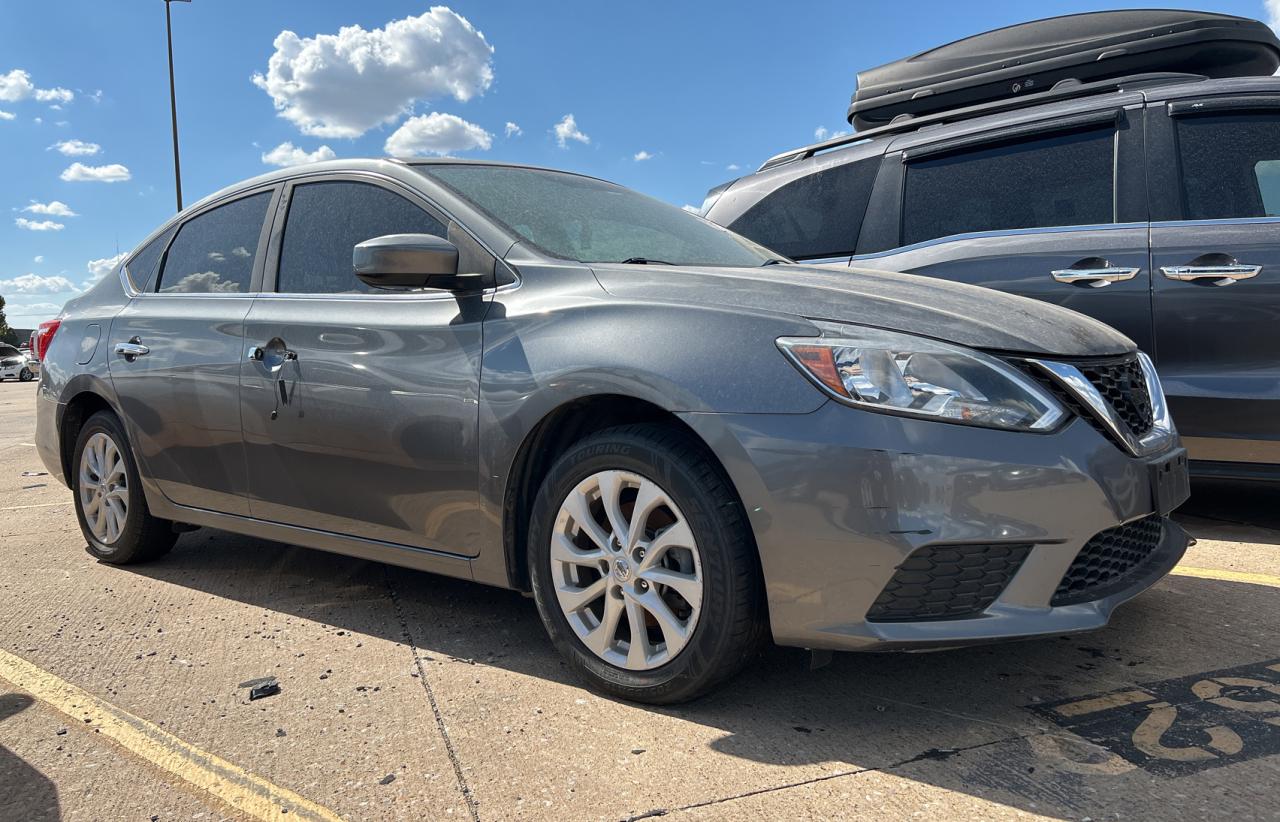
(648, 498)
(610, 484)
(674, 632)
(563, 550)
(573, 598)
(676, 535)
(577, 507)
(98, 523)
(115, 513)
(638, 653)
(92, 505)
(688, 586)
(601, 639)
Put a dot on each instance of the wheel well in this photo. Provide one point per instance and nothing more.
(81, 407)
(553, 435)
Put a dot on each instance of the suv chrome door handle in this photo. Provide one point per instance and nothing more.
(1224, 274)
(132, 349)
(1096, 277)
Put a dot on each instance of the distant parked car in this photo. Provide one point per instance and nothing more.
(1150, 201)
(16, 364)
(676, 440)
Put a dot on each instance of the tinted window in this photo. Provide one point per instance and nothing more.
(326, 220)
(145, 264)
(818, 215)
(214, 253)
(1229, 165)
(581, 218)
(1063, 180)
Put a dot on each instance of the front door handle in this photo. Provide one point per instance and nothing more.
(132, 349)
(1224, 274)
(1094, 272)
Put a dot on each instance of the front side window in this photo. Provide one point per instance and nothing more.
(591, 221)
(214, 252)
(1061, 180)
(326, 220)
(1230, 165)
(818, 215)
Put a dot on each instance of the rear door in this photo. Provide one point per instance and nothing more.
(1051, 208)
(361, 416)
(176, 351)
(1215, 248)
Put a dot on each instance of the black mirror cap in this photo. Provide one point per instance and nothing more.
(409, 261)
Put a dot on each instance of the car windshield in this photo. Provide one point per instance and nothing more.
(9, 351)
(580, 218)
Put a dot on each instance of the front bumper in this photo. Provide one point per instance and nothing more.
(840, 498)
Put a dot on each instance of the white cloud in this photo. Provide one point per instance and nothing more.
(342, 85)
(53, 208)
(1273, 13)
(733, 167)
(36, 284)
(38, 225)
(80, 173)
(39, 258)
(76, 148)
(17, 85)
(38, 310)
(513, 130)
(641, 156)
(821, 133)
(101, 268)
(287, 154)
(567, 129)
(436, 133)
(7, 115)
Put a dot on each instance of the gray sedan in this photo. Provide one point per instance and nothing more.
(679, 442)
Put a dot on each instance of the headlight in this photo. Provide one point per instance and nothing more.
(904, 374)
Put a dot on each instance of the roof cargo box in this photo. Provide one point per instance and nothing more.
(1085, 47)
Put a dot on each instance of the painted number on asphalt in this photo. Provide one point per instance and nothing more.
(1180, 726)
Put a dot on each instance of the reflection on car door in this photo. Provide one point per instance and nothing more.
(176, 352)
(1036, 209)
(360, 416)
(1215, 251)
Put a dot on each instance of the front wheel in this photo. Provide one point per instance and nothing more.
(643, 566)
(25, 375)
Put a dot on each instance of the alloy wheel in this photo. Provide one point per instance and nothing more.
(626, 570)
(104, 492)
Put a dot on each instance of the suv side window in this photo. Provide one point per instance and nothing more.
(143, 266)
(1230, 165)
(214, 251)
(818, 215)
(327, 219)
(1060, 180)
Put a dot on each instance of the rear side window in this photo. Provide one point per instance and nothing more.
(327, 220)
(1230, 165)
(1062, 180)
(214, 252)
(144, 265)
(818, 215)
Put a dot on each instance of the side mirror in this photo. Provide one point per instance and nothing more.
(412, 261)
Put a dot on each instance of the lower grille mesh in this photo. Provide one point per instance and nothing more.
(947, 582)
(1108, 561)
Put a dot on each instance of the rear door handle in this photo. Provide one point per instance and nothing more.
(1222, 274)
(132, 349)
(1096, 277)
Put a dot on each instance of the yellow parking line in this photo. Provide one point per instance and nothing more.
(247, 793)
(1227, 576)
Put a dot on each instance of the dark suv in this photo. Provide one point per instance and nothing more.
(1150, 203)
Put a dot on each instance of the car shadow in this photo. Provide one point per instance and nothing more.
(1232, 511)
(25, 793)
(965, 720)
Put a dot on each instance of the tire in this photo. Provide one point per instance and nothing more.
(25, 375)
(120, 540)
(730, 621)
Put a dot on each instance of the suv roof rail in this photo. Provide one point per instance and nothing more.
(1062, 90)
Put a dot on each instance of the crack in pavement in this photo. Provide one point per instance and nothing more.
(431, 697)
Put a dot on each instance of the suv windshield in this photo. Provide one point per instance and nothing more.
(589, 220)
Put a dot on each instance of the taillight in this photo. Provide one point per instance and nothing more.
(44, 336)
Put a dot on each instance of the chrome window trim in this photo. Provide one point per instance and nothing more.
(1216, 221)
(1162, 430)
(1006, 232)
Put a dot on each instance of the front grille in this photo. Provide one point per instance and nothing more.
(1120, 382)
(947, 582)
(1108, 562)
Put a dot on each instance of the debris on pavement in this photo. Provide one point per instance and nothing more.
(261, 688)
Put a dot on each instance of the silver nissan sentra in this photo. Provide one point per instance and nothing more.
(681, 443)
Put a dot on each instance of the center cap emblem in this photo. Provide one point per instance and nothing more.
(621, 569)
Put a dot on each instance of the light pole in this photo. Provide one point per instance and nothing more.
(173, 103)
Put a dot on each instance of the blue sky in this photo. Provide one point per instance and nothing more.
(669, 98)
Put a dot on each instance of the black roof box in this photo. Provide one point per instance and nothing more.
(1085, 47)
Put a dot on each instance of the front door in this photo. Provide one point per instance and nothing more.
(360, 408)
(1217, 275)
(176, 351)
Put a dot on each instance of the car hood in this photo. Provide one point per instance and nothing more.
(953, 312)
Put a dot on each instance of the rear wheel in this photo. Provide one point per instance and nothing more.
(643, 566)
(25, 375)
(110, 504)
